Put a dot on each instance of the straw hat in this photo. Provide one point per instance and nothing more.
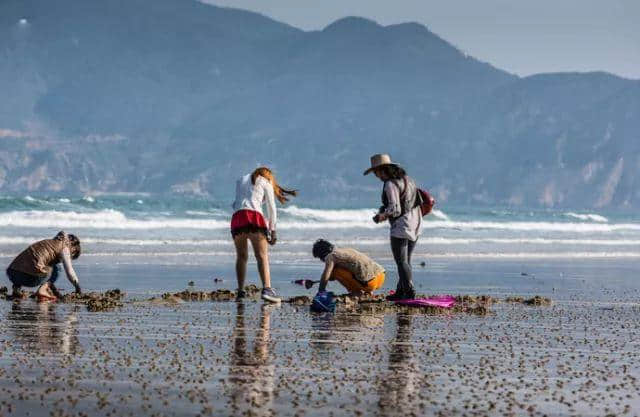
(378, 160)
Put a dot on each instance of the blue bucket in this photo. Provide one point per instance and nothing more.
(323, 302)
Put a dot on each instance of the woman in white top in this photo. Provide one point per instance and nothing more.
(248, 224)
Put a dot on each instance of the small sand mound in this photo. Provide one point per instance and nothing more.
(478, 310)
(377, 304)
(96, 301)
(465, 299)
(538, 301)
(166, 299)
(301, 300)
(534, 301)
(252, 293)
(103, 304)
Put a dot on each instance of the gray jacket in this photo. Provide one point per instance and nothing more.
(405, 224)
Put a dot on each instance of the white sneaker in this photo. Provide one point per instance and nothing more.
(268, 294)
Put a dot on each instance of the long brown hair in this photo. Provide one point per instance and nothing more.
(393, 172)
(280, 192)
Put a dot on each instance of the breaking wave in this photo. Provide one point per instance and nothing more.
(587, 217)
(439, 214)
(292, 218)
(474, 255)
(25, 240)
(349, 215)
(104, 219)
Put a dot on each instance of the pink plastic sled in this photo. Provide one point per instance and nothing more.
(444, 301)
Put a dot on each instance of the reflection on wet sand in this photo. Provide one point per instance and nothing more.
(43, 328)
(329, 331)
(225, 359)
(322, 337)
(251, 373)
(400, 381)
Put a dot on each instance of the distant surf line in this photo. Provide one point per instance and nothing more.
(427, 255)
(113, 219)
(10, 240)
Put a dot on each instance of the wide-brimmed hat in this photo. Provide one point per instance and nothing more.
(378, 160)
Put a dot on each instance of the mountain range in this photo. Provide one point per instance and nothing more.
(177, 96)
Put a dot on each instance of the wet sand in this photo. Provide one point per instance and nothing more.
(577, 356)
(228, 358)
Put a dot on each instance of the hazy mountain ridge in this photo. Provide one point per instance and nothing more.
(179, 96)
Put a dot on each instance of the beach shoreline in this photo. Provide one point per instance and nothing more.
(577, 356)
(168, 357)
(228, 358)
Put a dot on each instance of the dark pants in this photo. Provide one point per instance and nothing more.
(402, 250)
(21, 279)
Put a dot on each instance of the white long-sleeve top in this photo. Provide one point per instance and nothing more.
(65, 257)
(252, 196)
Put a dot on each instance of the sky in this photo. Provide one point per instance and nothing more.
(523, 37)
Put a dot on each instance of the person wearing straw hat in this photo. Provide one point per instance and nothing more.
(399, 208)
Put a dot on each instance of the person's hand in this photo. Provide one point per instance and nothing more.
(272, 239)
(78, 290)
(380, 217)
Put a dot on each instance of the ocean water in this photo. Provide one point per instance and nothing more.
(186, 239)
(578, 356)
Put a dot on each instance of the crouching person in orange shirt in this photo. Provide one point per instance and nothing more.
(357, 272)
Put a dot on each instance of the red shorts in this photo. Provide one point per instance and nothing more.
(247, 221)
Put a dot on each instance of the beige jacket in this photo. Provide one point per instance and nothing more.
(39, 258)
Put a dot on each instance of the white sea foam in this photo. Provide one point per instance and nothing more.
(536, 255)
(299, 255)
(531, 241)
(185, 254)
(439, 214)
(432, 241)
(444, 255)
(587, 217)
(501, 241)
(534, 226)
(510, 241)
(355, 215)
(300, 219)
(212, 212)
(104, 219)
(352, 215)
(197, 213)
(113, 219)
(89, 199)
(157, 242)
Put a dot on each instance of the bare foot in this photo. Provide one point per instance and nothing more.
(45, 293)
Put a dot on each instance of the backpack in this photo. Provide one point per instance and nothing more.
(425, 201)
